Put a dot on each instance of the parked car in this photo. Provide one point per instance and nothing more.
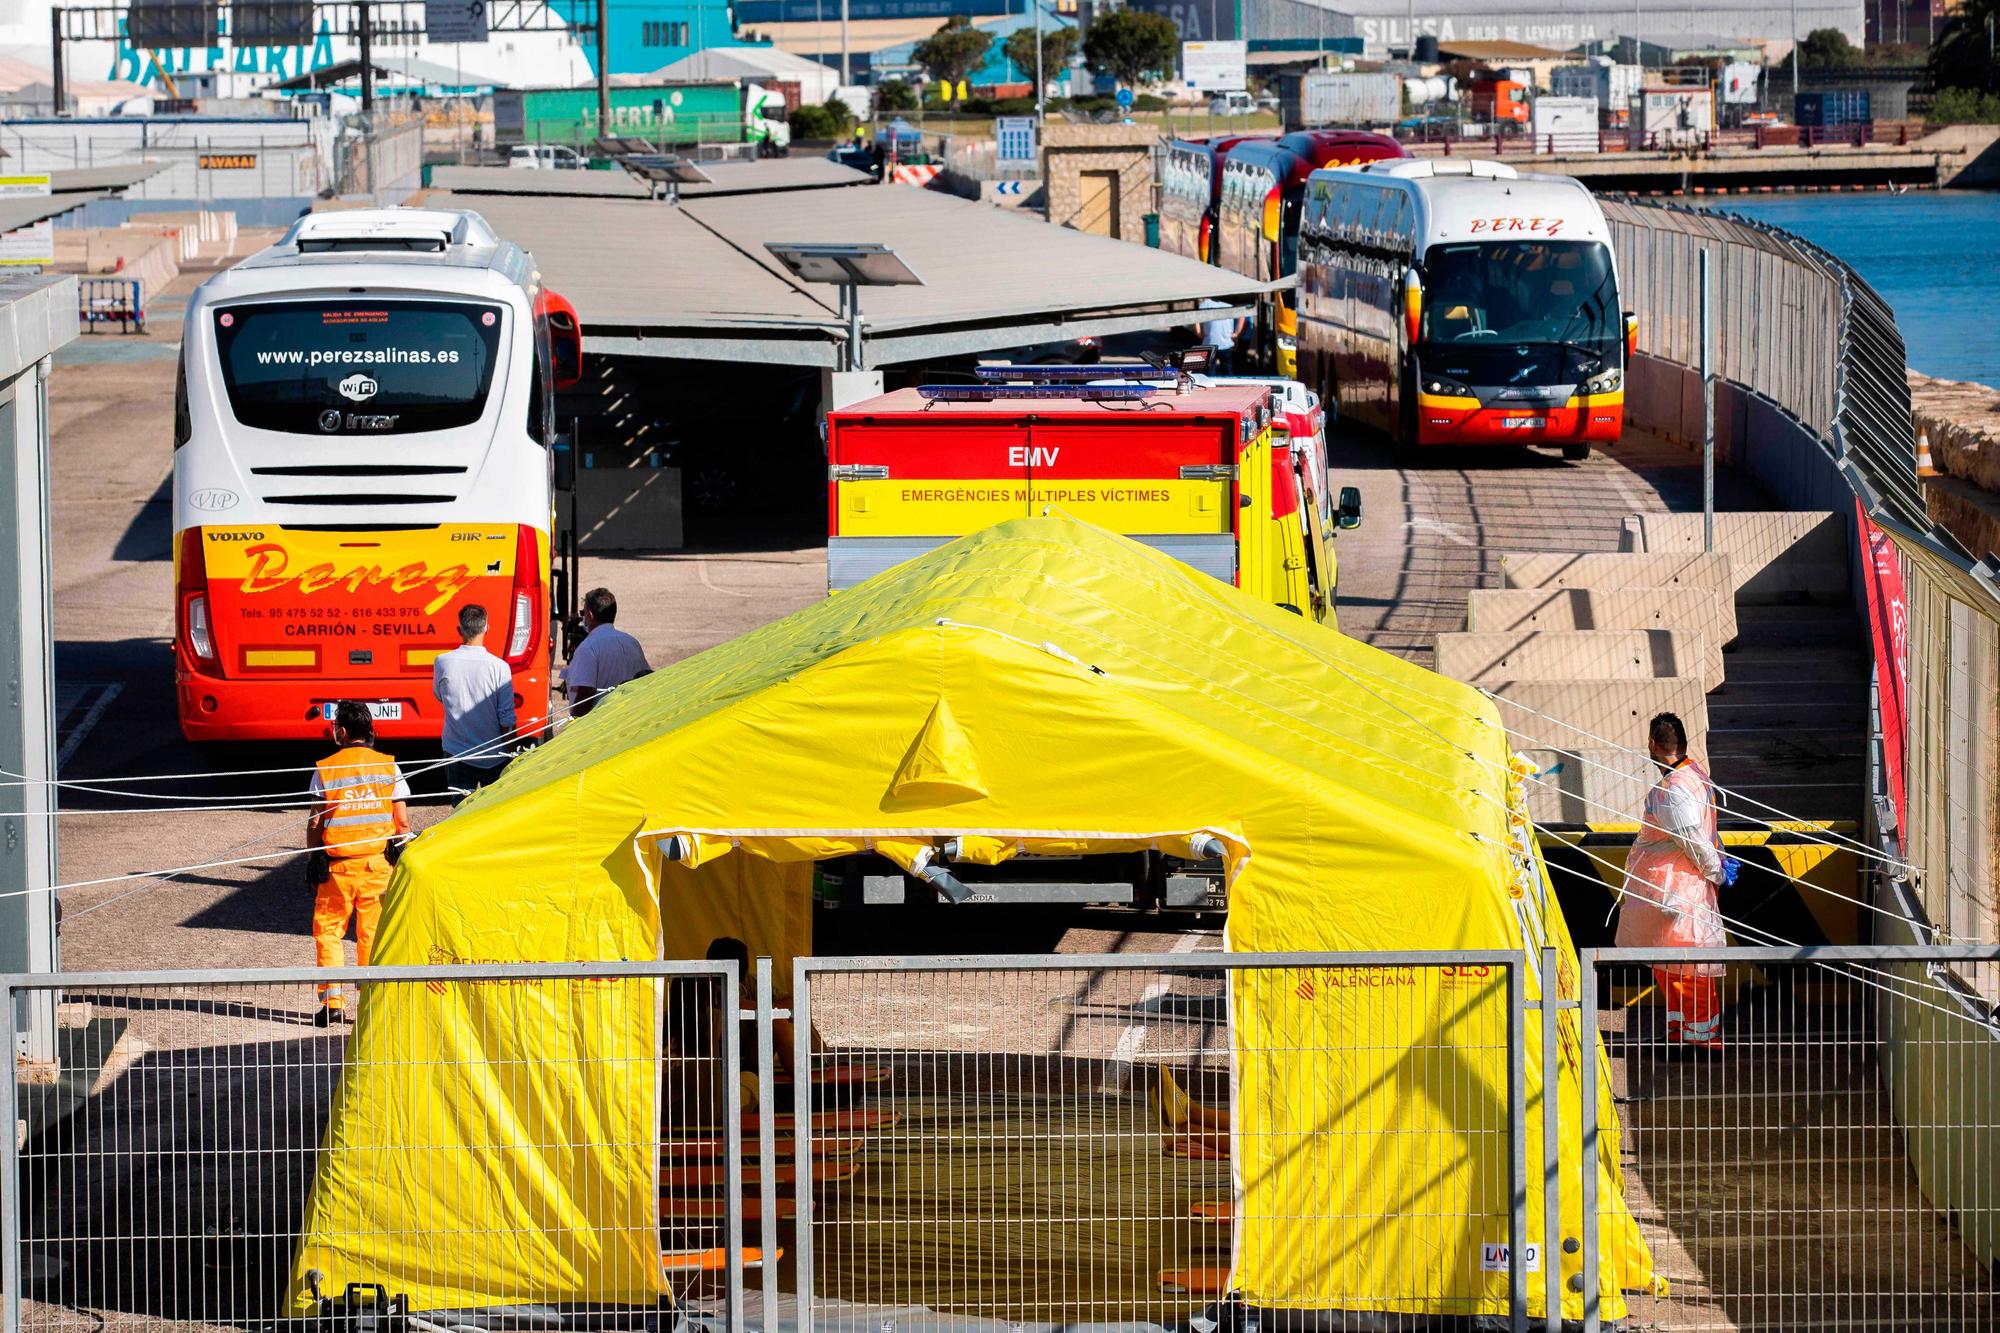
(1232, 104)
(543, 157)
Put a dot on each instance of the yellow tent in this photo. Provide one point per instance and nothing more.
(1023, 687)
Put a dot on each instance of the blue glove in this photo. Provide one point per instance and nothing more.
(1731, 867)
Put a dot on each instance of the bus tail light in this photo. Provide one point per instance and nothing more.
(1204, 241)
(1413, 305)
(196, 626)
(521, 635)
(1631, 334)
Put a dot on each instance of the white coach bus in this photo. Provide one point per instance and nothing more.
(363, 432)
(1453, 301)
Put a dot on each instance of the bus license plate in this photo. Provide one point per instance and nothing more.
(1524, 423)
(381, 712)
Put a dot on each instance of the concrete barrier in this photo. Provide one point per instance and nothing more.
(1689, 611)
(1774, 555)
(1607, 654)
(1588, 785)
(1613, 570)
(1572, 714)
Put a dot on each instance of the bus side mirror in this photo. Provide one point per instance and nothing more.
(1631, 334)
(1350, 507)
(1413, 305)
(565, 340)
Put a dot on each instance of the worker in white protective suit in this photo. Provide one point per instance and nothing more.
(1671, 879)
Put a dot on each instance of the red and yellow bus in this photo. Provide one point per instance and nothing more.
(363, 435)
(1451, 301)
(1257, 218)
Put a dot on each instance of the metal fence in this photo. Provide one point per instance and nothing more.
(1777, 1181)
(1313, 1141)
(1100, 1140)
(1799, 330)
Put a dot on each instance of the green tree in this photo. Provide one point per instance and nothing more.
(839, 115)
(1965, 106)
(953, 51)
(1964, 54)
(895, 95)
(1058, 45)
(1132, 45)
(1825, 47)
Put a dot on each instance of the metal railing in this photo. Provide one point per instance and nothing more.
(1310, 1139)
(1773, 1178)
(1110, 1139)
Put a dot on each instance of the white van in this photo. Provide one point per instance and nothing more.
(543, 157)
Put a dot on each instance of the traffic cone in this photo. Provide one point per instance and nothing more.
(1925, 468)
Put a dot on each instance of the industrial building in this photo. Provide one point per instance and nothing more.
(1386, 25)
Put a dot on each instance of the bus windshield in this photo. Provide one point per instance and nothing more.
(1558, 293)
(358, 367)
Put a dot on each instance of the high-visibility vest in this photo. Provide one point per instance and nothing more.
(359, 787)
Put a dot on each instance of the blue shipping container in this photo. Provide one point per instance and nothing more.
(1832, 107)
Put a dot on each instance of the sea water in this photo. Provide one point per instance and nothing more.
(1933, 255)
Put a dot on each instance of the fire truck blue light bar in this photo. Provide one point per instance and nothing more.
(987, 393)
(1059, 374)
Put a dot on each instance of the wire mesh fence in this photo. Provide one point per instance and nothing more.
(211, 1154)
(1312, 1141)
(1771, 1169)
(1150, 1141)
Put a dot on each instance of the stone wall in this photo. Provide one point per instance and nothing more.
(1963, 423)
(1070, 150)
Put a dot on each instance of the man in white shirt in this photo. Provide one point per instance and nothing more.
(607, 657)
(477, 692)
(1219, 335)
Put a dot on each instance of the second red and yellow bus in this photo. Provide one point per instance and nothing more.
(1257, 219)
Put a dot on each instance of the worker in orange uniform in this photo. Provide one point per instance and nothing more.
(353, 837)
(1671, 879)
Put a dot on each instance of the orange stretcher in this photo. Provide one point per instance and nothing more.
(1195, 1147)
(710, 1261)
(784, 1149)
(849, 1121)
(1206, 1282)
(677, 1208)
(844, 1076)
(689, 1179)
(1221, 1214)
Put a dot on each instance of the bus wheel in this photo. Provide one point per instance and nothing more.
(1576, 453)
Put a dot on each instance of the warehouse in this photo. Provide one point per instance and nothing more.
(1385, 26)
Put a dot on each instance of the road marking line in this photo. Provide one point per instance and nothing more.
(701, 572)
(1118, 1076)
(112, 690)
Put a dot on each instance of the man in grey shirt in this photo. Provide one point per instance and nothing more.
(477, 691)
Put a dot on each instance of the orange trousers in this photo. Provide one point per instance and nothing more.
(353, 889)
(1694, 1008)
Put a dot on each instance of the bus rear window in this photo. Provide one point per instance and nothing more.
(358, 367)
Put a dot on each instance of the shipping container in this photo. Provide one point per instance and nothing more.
(1830, 108)
(1565, 124)
(1334, 97)
(1613, 85)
